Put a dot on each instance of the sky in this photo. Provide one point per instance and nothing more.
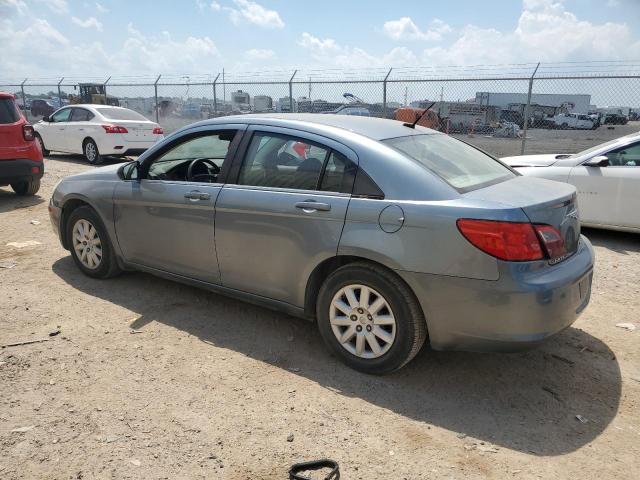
(54, 38)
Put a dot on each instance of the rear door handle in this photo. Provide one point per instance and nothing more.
(310, 206)
(195, 195)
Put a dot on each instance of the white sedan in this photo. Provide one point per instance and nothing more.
(607, 178)
(96, 131)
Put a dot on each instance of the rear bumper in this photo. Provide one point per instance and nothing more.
(116, 144)
(20, 170)
(527, 304)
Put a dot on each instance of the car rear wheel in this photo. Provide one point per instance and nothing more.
(45, 152)
(370, 318)
(89, 244)
(91, 152)
(29, 187)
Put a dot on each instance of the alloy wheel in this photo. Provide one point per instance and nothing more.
(362, 321)
(87, 244)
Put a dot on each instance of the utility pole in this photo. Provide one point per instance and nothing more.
(384, 94)
(215, 97)
(60, 92)
(155, 90)
(105, 91)
(291, 105)
(526, 111)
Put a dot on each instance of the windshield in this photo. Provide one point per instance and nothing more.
(588, 151)
(121, 114)
(462, 166)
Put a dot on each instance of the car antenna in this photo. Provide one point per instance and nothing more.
(419, 117)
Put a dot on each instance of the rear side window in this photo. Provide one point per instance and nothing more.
(81, 115)
(120, 114)
(460, 165)
(281, 161)
(339, 174)
(8, 111)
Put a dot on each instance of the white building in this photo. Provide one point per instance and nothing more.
(240, 100)
(575, 103)
(262, 103)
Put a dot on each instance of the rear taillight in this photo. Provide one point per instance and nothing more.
(28, 132)
(552, 241)
(158, 131)
(512, 241)
(114, 129)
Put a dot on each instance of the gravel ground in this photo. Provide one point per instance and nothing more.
(152, 379)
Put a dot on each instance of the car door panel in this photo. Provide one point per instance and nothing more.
(54, 138)
(269, 241)
(159, 227)
(270, 238)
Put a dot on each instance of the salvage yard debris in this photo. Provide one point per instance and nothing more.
(26, 342)
(27, 243)
(627, 326)
(23, 429)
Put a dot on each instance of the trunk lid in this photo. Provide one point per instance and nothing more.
(543, 201)
(137, 131)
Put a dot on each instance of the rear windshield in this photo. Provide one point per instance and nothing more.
(120, 114)
(460, 165)
(8, 111)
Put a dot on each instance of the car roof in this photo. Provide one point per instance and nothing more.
(371, 127)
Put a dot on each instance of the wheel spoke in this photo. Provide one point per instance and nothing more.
(351, 297)
(341, 321)
(98, 251)
(78, 247)
(94, 258)
(383, 335)
(373, 343)
(377, 305)
(383, 320)
(364, 297)
(360, 345)
(348, 334)
(343, 307)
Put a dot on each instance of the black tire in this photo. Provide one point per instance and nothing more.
(92, 158)
(29, 187)
(108, 265)
(411, 327)
(45, 152)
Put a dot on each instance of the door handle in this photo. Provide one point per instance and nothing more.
(310, 206)
(195, 195)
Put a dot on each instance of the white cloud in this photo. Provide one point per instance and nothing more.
(56, 6)
(405, 29)
(91, 22)
(259, 54)
(101, 8)
(203, 5)
(254, 13)
(318, 45)
(9, 7)
(215, 6)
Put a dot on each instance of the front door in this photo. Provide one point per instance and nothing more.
(610, 195)
(284, 212)
(54, 135)
(166, 219)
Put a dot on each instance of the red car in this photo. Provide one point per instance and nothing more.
(21, 164)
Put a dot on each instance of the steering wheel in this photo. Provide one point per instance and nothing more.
(212, 170)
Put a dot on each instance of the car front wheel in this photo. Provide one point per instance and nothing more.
(370, 318)
(89, 244)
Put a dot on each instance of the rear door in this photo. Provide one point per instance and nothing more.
(610, 195)
(78, 128)
(282, 211)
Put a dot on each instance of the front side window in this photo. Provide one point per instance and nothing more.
(281, 161)
(460, 165)
(628, 156)
(197, 159)
(61, 115)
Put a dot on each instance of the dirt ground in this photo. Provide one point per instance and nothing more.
(152, 379)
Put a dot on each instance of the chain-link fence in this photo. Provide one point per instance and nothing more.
(504, 109)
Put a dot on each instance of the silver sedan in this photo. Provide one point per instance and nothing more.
(385, 234)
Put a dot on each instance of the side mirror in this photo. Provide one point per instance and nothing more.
(129, 171)
(46, 118)
(599, 161)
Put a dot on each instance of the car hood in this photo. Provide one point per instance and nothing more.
(534, 160)
(110, 172)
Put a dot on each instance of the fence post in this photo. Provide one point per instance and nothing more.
(24, 99)
(215, 96)
(60, 92)
(291, 91)
(155, 96)
(384, 94)
(106, 102)
(526, 111)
